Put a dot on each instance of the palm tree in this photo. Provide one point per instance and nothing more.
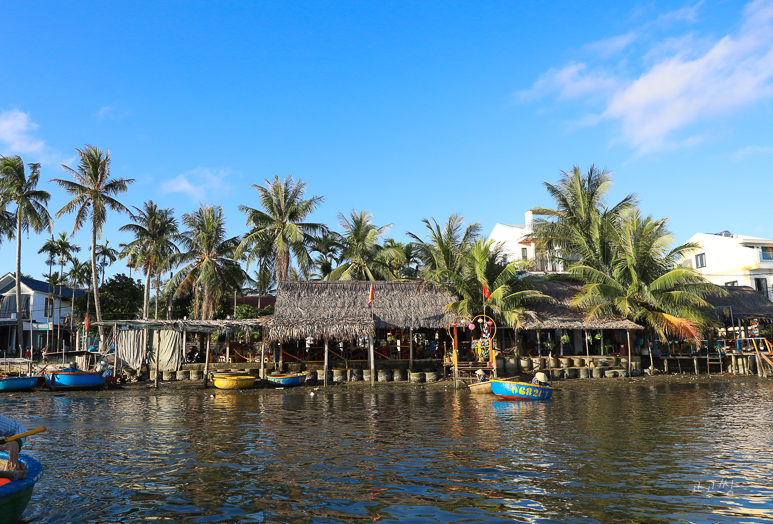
(207, 259)
(108, 256)
(647, 283)
(328, 247)
(49, 248)
(79, 277)
(155, 232)
(445, 248)
(93, 192)
(64, 252)
(364, 258)
(281, 223)
(404, 263)
(485, 264)
(17, 187)
(581, 224)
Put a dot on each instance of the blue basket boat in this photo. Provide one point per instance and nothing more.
(287, 379)
(70, 378)
(520, 390)
(15, 495)
(18, 383)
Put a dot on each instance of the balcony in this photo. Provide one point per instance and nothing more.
(766, 256)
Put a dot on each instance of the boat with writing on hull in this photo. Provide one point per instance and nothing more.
(512, 390)
(287, 379)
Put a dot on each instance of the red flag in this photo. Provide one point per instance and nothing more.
(86, 323)
(371, 296)
(485, 292)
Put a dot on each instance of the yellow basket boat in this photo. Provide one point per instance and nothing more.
(233, 380)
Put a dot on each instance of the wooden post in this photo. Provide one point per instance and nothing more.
(455, 351)
(410, 351)
(206, 362)
(372, 359)
(326, 367)
(630, 351)
(185, 342)
(587, 352)
(158, 354)
(263, 358)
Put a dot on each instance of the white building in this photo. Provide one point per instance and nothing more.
(734, 260)
(41, 314)
(518, 246)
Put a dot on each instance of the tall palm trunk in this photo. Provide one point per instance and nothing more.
(59, 323)
(49, 317)
(94, 282)
(19, 320)
(146, 300)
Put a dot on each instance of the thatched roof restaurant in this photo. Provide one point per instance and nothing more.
(744, 301)
(558, 312)
(340, 309)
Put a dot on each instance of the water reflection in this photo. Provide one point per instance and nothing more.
(687, 452)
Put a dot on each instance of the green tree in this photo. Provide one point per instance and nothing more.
(328, 247)
(646, 283)
(363, 256)
(64, 254)
(208, 268)
(121, 298)
(31, 213)
(581, 225)
(106, 256)
(155, 232)
(280, 224)
(445, 248)
(94, 193)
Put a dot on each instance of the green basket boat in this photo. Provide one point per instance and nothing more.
(15, 495)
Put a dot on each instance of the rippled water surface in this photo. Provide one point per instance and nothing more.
(687, 451)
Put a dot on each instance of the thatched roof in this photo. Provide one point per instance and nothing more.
(191, 326)
(558, 313)
(340, 308)
(745, 302)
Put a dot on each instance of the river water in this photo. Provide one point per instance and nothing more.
(613, 451)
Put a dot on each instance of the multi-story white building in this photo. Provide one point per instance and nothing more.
(734, 260)
(41, 313)
(518, 246)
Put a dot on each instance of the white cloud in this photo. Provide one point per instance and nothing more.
(104, 112)
(752, 150)
(198, 183)
(16, 133)
(680, 88)
(613, 45)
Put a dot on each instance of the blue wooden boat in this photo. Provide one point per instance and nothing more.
(287, 379)
(71, 378)
(520, 390)
(15, 495)
(18, 383)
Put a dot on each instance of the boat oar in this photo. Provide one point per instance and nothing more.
(21, 473)
(5, 440)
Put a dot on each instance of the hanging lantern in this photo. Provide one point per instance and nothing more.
(471, 326)
(490, 322)
(453, 324)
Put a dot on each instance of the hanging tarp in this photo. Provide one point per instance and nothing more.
(171, 354)
(128, 349)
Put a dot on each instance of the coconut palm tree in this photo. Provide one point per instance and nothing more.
(207, 259)
(155, 233)
(404, 264)
(281, 223)
(445, 247)
(64, 253)
(581, 224)
(49, 248)
(31, 213)
(485, 264)
(363, 257)
(647, 283)
(328, 247)
(79, 277)
(94, 193)
(107, 256)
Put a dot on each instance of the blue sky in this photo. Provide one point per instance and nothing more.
(407, 110)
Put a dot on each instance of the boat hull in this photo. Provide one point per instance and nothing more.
(287, 379)
(80, 380)
(14, 496)
(18, 383)
(520, 390)
(233, 380)
(480, 388)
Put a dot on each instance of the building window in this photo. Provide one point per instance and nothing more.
(524, 253)
(700, 260)
(734, 283)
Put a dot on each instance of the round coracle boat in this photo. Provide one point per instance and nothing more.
(15, 495)
(233, 380)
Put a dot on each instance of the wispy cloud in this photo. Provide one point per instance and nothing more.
(680, 86)
(111, 112)
(200, 183)
(613, 45)
(752, 150)
(16, 129)
(685, 14)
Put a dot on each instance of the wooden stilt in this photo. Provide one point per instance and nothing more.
(372, 359)
(206, 362)
(325, 382)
